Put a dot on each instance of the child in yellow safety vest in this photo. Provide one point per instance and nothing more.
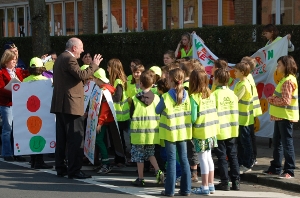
(175, 128)
(227, 108)
(284, 111)
(144, 129)
(205, 128)
(244, 91)
(118, 79)
(255, 102)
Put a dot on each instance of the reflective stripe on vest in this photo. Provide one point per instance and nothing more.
(122, 107)
(183, 53)
(289, 112)
(255, 100)
(227, 107)
(144, 122)
(175, 121)
(207, 122)
(245, 103)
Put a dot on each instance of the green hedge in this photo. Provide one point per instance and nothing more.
(230, 42)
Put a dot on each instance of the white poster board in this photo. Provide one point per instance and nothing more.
(88, 88)
(92, 122)
(33, 124)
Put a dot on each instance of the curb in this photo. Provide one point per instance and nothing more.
(271, 181)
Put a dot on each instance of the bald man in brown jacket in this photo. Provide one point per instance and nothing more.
(67, 104)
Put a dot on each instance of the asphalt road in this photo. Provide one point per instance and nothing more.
(18, 180)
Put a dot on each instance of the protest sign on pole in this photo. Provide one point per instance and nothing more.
(34, 127)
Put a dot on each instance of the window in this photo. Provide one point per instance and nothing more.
(268, 11)
(190, 13)
(11, 21)
(58, 29)
(116, 16)
(21, 26)
(228, 12)
(131, 14)
(70, 22)
(290, 13)
(174, 14)
(210, 12)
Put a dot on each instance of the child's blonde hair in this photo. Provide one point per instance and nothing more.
(177, 76)
(199, 83)
(251, 61)
(243, 67)
(116, 71)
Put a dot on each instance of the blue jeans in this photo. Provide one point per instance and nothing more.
(185, 182)
(245, 151)
(283, 147)
(7, 140)
(163, 156)
(228, 148)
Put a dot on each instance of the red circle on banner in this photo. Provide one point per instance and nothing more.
(33, 103)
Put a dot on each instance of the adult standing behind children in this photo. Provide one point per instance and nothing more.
(271, 33)
(67, 104)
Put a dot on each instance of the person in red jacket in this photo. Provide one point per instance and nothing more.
(8, 71)
(106, 121)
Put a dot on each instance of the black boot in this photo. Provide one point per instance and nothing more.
(40, 164)
(32, 160)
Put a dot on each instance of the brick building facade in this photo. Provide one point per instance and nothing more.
(69, 17)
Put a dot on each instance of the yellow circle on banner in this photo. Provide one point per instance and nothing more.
(264, 105)
(277, 77)
(256, 125)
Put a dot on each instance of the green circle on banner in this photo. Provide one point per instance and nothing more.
(37, 143)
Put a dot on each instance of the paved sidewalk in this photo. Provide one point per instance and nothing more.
(264, 157)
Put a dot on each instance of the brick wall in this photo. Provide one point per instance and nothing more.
(243, 11)
(88, 17)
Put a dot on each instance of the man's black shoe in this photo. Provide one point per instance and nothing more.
(9, 159)
(79, 175)
(42, 166)
(19, 159)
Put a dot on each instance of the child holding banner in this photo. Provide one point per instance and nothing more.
(36, 69)
(244, 92)
(144, 129)
(284, 111)
(205, 128)
(175, 131)
(227, 108)
(184, 47)
(271, 33)
(105, 121)
(118, 79)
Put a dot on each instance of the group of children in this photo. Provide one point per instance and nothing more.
(173, 107)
